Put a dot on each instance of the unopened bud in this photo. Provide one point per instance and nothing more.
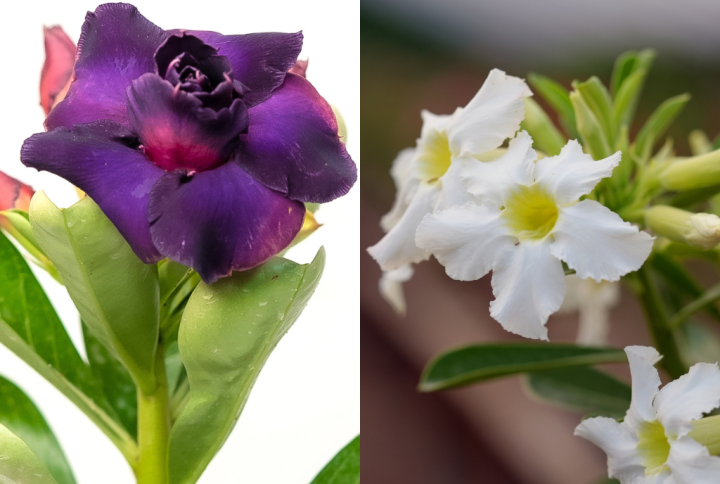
(691, 173)
(706, 431)
(697, 229)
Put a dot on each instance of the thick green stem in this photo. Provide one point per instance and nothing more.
(659, 326)
(154, 428)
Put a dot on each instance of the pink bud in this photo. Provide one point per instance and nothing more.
(58, 68)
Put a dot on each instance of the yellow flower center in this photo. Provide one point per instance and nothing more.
(435, 158)
(653, 447)
(530, 211)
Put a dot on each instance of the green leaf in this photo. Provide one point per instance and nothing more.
(608, 481)
(557, 97)
(657, 124)
(594, 139)
(543, 132)
(18, 464)
(177, 283)
(624, 66)
(475, 363)
(117, 385)
(597, 98)
(228, 331)
(30, 328)
(21, 417)
(627, 98)
(344, 468)
(582, 388)
(699, 344)
(699, 142)
(116, 294)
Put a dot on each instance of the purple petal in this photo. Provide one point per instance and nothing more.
(260, 61)
(176, 131)
(292, 145)
(220, 220)
(99, 159)
(117, 45)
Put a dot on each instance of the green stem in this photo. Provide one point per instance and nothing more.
(659, 326)
(708, 297)
(154, 428)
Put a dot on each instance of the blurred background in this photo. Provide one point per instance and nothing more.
(424, 54)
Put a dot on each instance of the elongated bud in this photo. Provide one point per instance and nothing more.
(696, 229)
(706, 431)
(696, 172)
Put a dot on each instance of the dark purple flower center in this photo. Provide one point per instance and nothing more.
(193, 120)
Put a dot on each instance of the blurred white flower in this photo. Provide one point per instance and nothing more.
(651, 445)
(593, 302)
(391, 287)
(529, 221)
(427, 176)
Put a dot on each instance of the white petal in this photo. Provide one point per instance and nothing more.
(619, 443)
(597, 243)
(398, 247)
(596, 300)
(691, 463)
(464, 239)
(405, 184)
(391, 287)
(433, 123)
(529, 285)
(645, 384)
(492, 116)
(572, 173)
(491, 180)
(452, 188)
(688, 398)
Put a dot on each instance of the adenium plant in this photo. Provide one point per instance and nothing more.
(195, 154)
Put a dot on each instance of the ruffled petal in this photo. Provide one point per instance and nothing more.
(398, 247)
(391, 287)
(645, 384)
(117, 45)
(572, 173)
(292, 145)
(688, 398)
(405, 184)
(464, 239)
(452, 188)
(260, 60)
(492, 180)
(220, 220)
(58, 67)
(492, 116)
(529, 285)
(597, 243)
(619, 443)
(176, 131)
(100, 160)
(691, 463)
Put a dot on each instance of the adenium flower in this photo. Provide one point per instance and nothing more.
(14, 194)
(391, 287)
(58, 67)
(593, 302)
(529, 221)
(654, 443)
(198, 146)
(427, 177)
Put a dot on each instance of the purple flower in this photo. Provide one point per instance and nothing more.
(200, 147)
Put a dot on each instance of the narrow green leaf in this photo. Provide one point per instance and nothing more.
(699, 344)
(557, 97)
(710, 296)
(21, 417)
(116, 294)
(228, 331)
(117, 385)
(545, 135)
(657, 124)
(344, 468)
(624, 66)
(597, 98)
(582, 388)
(475, 363)
(30, 328)
(699, 142)
(18, 464)
(627, 98)
(593, 135)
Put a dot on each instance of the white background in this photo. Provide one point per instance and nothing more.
(306, 403)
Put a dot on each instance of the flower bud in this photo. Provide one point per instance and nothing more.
(706, 431)
(697, 229)
(58, 67)
(695, 172)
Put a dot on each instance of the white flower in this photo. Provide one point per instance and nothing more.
(427, 176)
(529, 221)
(652, 445)
(391, 287)
(593, 301)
